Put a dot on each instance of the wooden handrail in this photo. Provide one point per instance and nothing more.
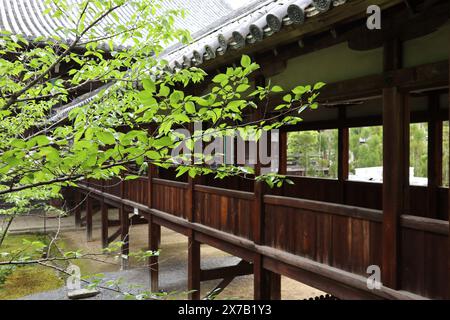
(245, 195)
(325, 207)
(170, 183)
(425, 224)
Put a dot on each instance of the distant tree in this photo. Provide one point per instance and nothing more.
(314, 151)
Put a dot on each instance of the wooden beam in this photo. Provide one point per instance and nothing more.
(227, 274)
(431, 76)
(395, 180)
(241, 269)
(114, 236)
(392, 55)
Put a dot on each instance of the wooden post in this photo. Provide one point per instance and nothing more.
(124, 234)
(194, 249)
(266, 284)
(89, 218)
(448, 211)
(343, 153)
(395, 179)
(78, 209)
(434, 156)
(193, 267)
(154, 234)
(105, 224)
(154, 239)
(282, 153)
(124, 228)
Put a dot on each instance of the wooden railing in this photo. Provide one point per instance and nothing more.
(341, 236)
(169, 196)
(349, 238)
(226, 210)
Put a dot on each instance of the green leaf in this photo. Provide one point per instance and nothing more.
(149, 85)
(246, 61)
(190, 107)
(300, 90)
(220, 78)
(242, 88)
(154, 155)
(181, 171)
(319, 85)
(287, 98)
(164, 91)
(131, 177)
(105, 137)
(277, 89)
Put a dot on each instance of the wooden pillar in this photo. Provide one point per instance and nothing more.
(434, 156)
(193, 268)
(105, 223)
(154, 239)
(154, 233)
(282, 153)
(124, 228)
(194, 249)
(89, 218)
(266, 284)
(448, 211)
(343, 153)
(78, 209)
(124, 234)
(395, 179)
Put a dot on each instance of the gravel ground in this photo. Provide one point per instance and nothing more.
(173, 267)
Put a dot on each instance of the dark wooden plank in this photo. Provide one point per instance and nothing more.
(341, 249)
(436, 255)
(324, 244)
(412, 265)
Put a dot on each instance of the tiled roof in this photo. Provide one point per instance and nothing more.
(26, 17)
(253, 24)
